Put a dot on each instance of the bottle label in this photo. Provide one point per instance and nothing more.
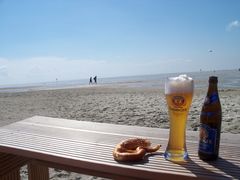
(207, 141)
(210, 114)
(212, 98)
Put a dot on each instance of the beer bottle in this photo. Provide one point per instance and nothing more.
(210, 123)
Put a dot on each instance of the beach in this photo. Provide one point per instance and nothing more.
(117, 104)
(113, 104)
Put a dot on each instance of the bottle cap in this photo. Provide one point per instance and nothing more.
(213, 79)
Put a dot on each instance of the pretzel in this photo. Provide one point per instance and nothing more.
(133, 149)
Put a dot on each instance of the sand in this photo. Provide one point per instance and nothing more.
(111, 104)
(118, 105)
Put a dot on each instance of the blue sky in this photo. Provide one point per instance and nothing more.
(74, 39)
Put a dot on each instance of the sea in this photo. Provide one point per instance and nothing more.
(227, 79)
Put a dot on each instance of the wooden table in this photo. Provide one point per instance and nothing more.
(86, 147)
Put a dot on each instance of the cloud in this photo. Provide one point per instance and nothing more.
(47, 69)
(3, 71)
(233, 25)
(44, 69)
(3, 68)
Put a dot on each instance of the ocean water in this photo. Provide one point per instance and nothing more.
(227, 79)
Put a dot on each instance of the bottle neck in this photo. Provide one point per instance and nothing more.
(212, 88)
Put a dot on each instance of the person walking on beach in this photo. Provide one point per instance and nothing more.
(95, 79)
(90, 80)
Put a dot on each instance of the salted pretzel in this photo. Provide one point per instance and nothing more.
(133, 149)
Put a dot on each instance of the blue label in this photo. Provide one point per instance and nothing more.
(207, 141)
(209, 114)
(212, 98)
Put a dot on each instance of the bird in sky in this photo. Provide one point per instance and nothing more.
(210, 50)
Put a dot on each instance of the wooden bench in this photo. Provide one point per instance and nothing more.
(86, 147)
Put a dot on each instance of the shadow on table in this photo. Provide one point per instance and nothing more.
(145, 160)
(221, 164)
(228, 167)
(198, 170)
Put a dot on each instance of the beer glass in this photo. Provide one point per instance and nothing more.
(178, 93)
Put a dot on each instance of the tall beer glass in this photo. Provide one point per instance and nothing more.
(179, 93)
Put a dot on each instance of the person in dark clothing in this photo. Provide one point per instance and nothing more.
(90, 80)
(95, 79)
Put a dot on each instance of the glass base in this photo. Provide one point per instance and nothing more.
(176, 156)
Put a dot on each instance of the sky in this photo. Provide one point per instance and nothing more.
(75, 39)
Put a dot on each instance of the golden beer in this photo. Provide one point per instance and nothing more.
(179, 93)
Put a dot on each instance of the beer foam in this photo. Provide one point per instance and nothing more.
(181, 83)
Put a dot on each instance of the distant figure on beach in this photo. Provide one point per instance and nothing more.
(90, 80)
(95, 79)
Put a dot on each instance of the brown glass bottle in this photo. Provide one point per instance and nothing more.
(210, 123)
